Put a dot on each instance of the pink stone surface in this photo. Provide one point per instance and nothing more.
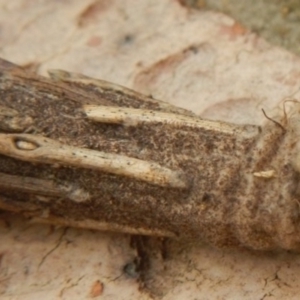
(200, 60)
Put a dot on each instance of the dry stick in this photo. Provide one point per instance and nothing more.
(77, 151)
(39, 149)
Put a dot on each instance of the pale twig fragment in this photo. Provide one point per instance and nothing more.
(102, 226)
(134, 116)
(42, 187)
(102, 85)
(265, 174)
(39, 149)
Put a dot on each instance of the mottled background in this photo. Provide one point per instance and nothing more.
(227, 63)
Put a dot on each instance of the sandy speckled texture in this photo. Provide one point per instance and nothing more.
(203, 61)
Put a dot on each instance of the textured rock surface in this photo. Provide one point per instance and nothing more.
(203, 61)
